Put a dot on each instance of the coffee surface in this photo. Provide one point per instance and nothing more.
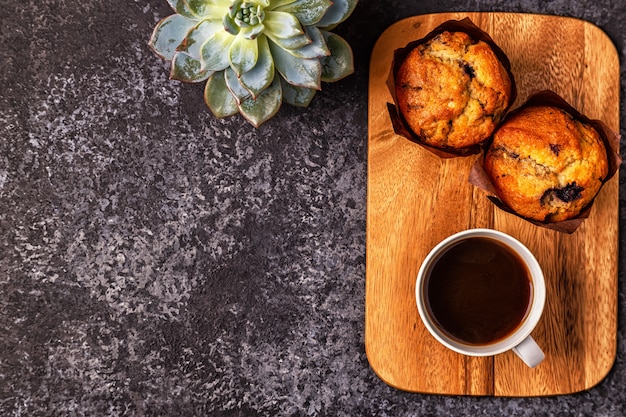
(479, 291)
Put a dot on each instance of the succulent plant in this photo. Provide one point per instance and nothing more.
(255, 54)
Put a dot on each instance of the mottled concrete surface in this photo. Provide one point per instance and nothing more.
(156, 261)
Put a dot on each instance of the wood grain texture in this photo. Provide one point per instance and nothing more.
(416, 199)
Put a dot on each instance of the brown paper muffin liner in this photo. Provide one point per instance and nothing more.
(400, 125)
(479, 178)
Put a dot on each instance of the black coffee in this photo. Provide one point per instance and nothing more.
(479, 291)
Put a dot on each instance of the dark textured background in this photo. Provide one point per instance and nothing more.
(156, 261)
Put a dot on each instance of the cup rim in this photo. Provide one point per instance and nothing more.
(523, 330)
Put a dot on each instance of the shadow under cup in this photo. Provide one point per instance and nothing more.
(481, 292)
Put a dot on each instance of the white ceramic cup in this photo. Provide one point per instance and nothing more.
(520, 340)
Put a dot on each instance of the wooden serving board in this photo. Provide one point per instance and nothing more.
(415, 199)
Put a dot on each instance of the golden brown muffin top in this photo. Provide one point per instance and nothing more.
(452, 90)
(546, 165)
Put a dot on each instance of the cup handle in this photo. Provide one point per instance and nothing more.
(529, 351)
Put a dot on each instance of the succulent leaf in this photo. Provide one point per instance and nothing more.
(238, 91)
(261, 76)
(264, 107)
(282, 25)
(213, 56)
(200, 8)
(297, 96)
(290, 44)
(275, 4)
(243, 54)
(253, 32)
(337, 13)
(230, 25)
(308, 12)
(218, 97)
(299, 72)
(194, 42)
(340, 63)
(181, 7)
(187, 68)
(316, 49)
(169, 33)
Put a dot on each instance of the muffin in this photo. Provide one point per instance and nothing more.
(452, 90)
(546, 165)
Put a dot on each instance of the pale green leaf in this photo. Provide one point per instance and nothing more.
(337, 13)
(218, 97)
(229, 25)
(206, 8)
(261, 76)
(200, 9)
(316, 49)
(340, 63)
(296, 71)
(308, 12)
(282, 25)
(181, 7)
(276, 4)
(198, 36)
(293, 43)
(169, 33)
(214, 51)
(297, 96)
(232, 82)
(252, 32)
(219, 3)
(187, 69)
(243, 54)
(264, 107)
